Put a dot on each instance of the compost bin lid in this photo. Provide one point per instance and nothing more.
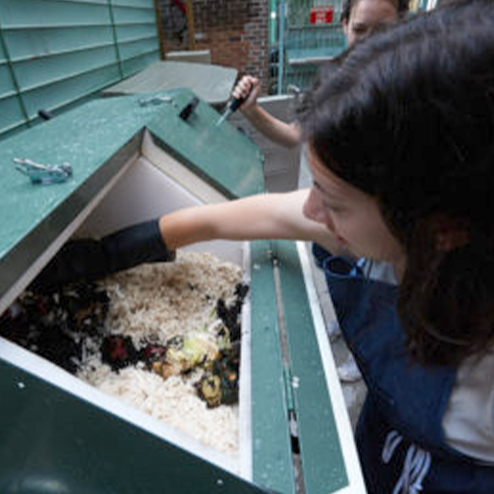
(96, 139)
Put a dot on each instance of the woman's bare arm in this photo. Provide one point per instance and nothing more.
(264, 216)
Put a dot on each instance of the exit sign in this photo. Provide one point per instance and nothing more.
(321, 15)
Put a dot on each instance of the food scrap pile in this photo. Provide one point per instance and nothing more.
(217, 353)
(152, 335)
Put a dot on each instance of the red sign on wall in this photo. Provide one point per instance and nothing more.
(321, 15)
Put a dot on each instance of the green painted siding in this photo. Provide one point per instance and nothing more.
(54, 53)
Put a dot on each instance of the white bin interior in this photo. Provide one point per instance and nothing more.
(144, 190)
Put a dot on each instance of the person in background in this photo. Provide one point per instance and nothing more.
(415, 193)
(359, 18)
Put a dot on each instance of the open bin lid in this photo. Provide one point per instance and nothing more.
(52, 438)
(89, 138)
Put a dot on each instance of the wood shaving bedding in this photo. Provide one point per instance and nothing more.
(156, 302)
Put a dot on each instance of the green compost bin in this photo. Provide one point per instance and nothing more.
(54, 439)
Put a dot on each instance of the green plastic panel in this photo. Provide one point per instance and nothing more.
(53, 442)
(132, 13)
(46, 13)
(132, 65)
(90, 138)
(39, 41)
(6, 83)
(132, 49)
(322, 460)
(57, 68)
(222, 153)
(272, 453)
(10, 109)
(57, 52)
(67, 91)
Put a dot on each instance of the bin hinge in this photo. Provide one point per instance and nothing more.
(290, 382)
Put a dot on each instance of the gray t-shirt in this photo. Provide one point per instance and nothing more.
(468, 423)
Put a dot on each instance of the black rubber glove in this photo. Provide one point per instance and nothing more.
(88, 259)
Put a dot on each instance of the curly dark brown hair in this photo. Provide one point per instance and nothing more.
(407, 116)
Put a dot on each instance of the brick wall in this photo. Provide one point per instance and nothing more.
(235, 32)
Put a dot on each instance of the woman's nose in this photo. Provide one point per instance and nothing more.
(314, 210)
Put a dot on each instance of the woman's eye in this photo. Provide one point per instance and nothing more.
(359, 29)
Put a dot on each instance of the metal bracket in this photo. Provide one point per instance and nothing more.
(156, 100)
(189, 109)
(43, 174)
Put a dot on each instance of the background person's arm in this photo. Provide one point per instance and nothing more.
(286, 134)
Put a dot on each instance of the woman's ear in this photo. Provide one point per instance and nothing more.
(449, 233)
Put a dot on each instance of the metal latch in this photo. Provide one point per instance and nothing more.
(156, 100)
(189, 109)
(43, 174)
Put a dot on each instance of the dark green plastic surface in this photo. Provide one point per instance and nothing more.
(323, 466)
(93, 139)
(47, 435)
(54, 443)
(272, 454)
(223, 156)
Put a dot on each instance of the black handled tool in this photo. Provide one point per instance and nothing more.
(232, 106)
